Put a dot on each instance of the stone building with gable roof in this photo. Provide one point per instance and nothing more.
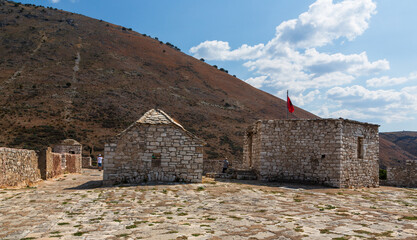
(154, 148)
(334, 152)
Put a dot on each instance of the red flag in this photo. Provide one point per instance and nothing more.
(289, 105)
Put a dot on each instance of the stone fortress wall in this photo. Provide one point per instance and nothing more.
(333, 152)
(18, 167)
(404, 175)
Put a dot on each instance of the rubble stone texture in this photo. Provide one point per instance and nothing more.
(86, 162)
(73, 163)
(335, 152)
(154, 148)
(404, 175)
(49, 164)
(18, 167)
(70, 146)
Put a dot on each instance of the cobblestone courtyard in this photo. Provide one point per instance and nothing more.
(76, 207)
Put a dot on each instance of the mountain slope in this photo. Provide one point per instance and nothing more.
(395, 147)
(390, 154)
(66, 75)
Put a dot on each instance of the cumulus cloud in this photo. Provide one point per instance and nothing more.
(388, 81)
(325, 22)
(256, 81)
(219, 50)
(385, 105)
(292, 60)
(290, 57)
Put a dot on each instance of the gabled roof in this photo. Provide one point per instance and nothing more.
(70, 142)
(159, 117)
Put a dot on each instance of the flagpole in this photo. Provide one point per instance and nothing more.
(287, 104)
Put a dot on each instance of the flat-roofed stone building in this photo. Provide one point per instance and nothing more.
(334, 152)
(154, 148)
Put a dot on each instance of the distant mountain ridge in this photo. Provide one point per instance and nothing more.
(64, 75)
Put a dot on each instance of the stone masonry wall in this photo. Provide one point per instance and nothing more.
(48, 167)
(149, 152)
(404, 175)
(312, 151)
(18, 167)
(56, 165)
(299, 150)
(73, 163)
(72, 149)
(86, 162)
(252, 148)
(359, 171)
(50, 163)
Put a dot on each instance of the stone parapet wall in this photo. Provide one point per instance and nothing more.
(404, 175)
(322, 151)
(151, 152)
(18, 167)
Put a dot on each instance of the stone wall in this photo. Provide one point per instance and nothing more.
(359, 171)
(404, 175)
(49, 164)
(73, 162)
(86, 162)
(147, 152)
(212, 166)
(71, 149)
(18, 167)
(322, 151)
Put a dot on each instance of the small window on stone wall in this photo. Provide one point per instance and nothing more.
(156, 160)
(360, 148)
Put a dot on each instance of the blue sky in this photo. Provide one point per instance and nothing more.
(354, 59)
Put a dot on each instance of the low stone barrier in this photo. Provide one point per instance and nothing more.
(18, 167)
(404, 175)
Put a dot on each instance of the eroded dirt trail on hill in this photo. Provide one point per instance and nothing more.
(76, 207)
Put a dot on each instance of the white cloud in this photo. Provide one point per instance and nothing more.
(290, 59)
(388, 81)
(385, 81)
(256, 81)
(219, 50)
(385, 105)
(325, 22)
(55, 1)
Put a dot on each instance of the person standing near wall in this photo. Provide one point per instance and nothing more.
(100, 162)
(225, 165)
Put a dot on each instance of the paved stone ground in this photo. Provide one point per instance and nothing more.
(76, 207)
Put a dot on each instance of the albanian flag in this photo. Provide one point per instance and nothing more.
(289, 105)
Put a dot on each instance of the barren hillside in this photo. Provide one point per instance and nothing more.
(395, 147)
(66, 75)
